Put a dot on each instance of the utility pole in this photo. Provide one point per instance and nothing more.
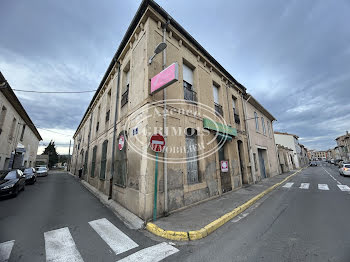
(165, 164)
(69, 159)
(114, 131)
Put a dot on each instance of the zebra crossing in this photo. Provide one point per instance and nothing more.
(321, 187)
(61, 247)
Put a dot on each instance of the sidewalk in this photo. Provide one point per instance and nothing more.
(210, 215)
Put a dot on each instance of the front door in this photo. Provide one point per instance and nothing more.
(262, 164)
(225, 177)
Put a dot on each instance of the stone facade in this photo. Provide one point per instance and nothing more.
(262, 141)
(19, 139)
(285, 157)
(208, 86)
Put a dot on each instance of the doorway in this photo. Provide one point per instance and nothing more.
(226, 184)
(241, 161)
(262, 163)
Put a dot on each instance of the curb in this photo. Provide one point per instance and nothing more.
(214, 225)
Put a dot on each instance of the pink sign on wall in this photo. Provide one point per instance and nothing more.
(165, 78)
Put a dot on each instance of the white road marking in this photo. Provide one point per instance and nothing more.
(332, 177)
(323, 187)
(344, 188)
(5, 250)
(304, 185)
(151, 254)
(60, 246)
(288, 185)
(116, 239)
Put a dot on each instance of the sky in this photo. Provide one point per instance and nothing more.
(293, 56)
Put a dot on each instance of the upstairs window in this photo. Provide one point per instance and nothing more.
(2, 117)
(263, 125)
(256, 121)
(269, 128)
(108, 106)
(12, 130)
(22, 134)
(235, 111)
(189, 93)
(126, 86)
(218, 107)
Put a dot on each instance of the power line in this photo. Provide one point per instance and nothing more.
(54, 92)
(54, 132)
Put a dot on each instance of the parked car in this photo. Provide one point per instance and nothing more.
(313, 163)
(345, 169)
(332, 161)
(30, 174)
(11, 182)
(41, 171)
(337, 161)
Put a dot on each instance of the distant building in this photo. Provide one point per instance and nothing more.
(42, 160)
(292, 141)
(285, 157)
(343, 147)
(19, 138)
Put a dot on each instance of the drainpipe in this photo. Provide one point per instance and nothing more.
(165, 165)
(248, 136)
(88, 145)
(114, 131)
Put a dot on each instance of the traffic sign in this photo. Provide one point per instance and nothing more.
(121, 142)
(157, 143)
(224, 166)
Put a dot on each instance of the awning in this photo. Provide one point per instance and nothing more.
(222, 137)
(218, 127)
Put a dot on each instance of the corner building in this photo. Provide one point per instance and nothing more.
(126, 87)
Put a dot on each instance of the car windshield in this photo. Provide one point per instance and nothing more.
(42, 169)
(28, 171)
(11, 175)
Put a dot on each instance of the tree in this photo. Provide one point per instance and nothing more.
(51, 151)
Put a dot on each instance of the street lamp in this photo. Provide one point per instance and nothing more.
(160, 47)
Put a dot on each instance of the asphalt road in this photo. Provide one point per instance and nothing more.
(290, 224)
(50, 221)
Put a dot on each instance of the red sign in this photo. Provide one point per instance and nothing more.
(121, 142)
(165, 78)
(157, 143)
(224, 166)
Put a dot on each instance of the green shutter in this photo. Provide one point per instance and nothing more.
(103, 160)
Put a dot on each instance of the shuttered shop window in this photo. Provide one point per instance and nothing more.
(103, 160)
(93, 162)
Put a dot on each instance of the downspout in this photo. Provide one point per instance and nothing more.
(114, 131)
(88, 146)
(165, 164)
(252, 168)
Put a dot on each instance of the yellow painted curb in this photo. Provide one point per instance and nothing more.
(211, 227)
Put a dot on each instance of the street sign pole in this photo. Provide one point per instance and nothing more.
(155, 189)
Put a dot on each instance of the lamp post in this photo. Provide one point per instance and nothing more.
(160, 47)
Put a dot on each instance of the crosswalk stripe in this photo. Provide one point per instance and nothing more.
(151, 254)
(344, 188)
(288, 185)
(60, 246)
(323, 187)
(5, 250)
(304, 185)
(116, 239)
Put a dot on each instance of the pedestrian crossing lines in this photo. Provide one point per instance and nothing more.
(61, 247)
(321, 187)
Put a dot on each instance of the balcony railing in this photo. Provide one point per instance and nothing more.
(218, 109)
(236, 117)
(125, 98)
(190, 95)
